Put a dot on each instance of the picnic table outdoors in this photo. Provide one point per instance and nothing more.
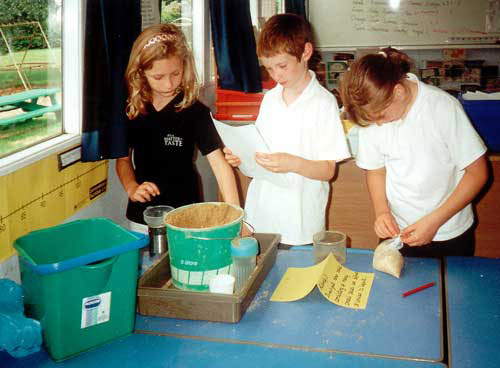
(28, 102)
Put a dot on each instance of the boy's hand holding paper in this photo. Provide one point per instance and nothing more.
(280, 162)
(245, 141)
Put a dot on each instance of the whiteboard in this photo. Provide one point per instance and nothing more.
(369, 23)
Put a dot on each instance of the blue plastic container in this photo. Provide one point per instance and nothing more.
(485, 116)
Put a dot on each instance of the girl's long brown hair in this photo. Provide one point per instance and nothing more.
(367, 87)
(158, 42)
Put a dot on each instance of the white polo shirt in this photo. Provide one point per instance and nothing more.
(309, 127)
(425, 156)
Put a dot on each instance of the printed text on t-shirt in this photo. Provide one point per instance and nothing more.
(172, 140)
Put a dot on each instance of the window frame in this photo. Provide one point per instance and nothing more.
(201, 40)
(72, 65)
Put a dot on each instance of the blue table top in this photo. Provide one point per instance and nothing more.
(148, 351)
(473, 311)
(390, 326)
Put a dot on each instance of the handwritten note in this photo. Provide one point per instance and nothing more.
(421, 18)
(337, 283)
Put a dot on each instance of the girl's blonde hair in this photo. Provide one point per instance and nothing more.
(158, 42)
(366, 89)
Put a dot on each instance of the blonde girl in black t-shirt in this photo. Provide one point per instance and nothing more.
(167, 126)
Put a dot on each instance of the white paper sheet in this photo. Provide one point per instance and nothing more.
(244, 141)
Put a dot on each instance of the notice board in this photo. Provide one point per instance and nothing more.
(375, 23)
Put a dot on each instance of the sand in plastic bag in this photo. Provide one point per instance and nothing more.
(387, 257)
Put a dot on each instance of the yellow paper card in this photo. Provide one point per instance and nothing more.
(337, 283)
(296, 283)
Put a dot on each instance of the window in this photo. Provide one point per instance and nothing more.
(262, 10)
(180, 13)
(36, 119)
(192, 17)
(30, 76)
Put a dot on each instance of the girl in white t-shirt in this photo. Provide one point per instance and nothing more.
(424, 161)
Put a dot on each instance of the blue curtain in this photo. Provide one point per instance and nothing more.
(234, 45)
(296, 7)
(111, 27)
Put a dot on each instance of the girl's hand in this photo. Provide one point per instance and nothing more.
(143, 192)
(231, 159)
(386, 226)
(277, 162)
(421, 232)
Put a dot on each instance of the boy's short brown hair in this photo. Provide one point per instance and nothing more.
(284, 33)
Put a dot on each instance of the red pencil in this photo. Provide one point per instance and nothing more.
(420, 288)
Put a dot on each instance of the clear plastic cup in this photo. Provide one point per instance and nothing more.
(154, 216)
(329, 241)
(222, 284)
(244, 254)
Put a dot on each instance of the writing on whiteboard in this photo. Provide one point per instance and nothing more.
(413, 18)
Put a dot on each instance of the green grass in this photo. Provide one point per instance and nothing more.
(34, 56)
(22, 135)
(41, 68)
(36, 79)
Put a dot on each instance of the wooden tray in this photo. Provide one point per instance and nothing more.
(156, 296)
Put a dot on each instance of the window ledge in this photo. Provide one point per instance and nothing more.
(30, 155)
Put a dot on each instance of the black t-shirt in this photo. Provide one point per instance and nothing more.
(164, 145)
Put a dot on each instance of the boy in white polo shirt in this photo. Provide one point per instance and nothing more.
(299, 120)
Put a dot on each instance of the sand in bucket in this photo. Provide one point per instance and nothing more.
(199, 237)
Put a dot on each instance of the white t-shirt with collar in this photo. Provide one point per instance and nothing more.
(425, 155)
(309, 127)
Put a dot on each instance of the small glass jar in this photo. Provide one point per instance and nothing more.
(244, 255)
(326, 242)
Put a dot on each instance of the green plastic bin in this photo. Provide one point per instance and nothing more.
(79, 280)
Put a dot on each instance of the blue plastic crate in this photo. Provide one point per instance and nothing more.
(485, 116)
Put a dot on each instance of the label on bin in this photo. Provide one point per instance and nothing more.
(95, 309)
